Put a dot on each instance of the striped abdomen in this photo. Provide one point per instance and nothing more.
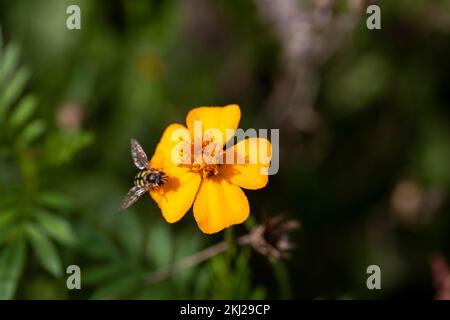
(140, 180)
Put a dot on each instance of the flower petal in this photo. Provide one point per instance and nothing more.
(254, 155)
(220, 118)
(176, 196)
(172, 136)
(219, 204)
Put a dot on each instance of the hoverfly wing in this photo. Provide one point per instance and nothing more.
(132, 196)
(138, 154)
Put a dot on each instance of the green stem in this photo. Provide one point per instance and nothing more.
(229, 239)
(282, 276)
(28, 170)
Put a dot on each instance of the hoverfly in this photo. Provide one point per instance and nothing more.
(146, 179)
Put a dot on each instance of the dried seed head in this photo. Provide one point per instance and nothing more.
(69, 116)
(271, 238)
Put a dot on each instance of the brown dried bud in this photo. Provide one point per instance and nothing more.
(69, 116)
(271, 238)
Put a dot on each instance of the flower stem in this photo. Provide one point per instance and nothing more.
(282, 277)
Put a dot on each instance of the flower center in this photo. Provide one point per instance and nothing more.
(205, 170)
(202, 157)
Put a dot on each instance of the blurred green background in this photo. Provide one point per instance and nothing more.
(364, 143)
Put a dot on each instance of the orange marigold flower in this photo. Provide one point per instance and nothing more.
(204, 178)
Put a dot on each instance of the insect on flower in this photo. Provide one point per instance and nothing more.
(204, 181)
(146, 179)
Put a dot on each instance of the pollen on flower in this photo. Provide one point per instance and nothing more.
(205, 170)
(202, 157)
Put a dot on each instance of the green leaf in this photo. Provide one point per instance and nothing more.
(130, 234)
(119, 287)
(187, 243)
(44, 249)
(57, 227)
(95, 244)
(12, 261)
(62, 147)
(202, 283)
(6, 233)
(101, 274)
(23, 111)
(9, 62)
(7, 225)
(6, 217)
(32, 131)
(159, 246)
(54, 200)
(13, 89)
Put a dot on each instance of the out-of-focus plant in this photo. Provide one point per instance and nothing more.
(32, 209)
(226, 274)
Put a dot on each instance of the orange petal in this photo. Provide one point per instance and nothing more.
(219, 118)
(255, 155)
(176, 196)
(219, 205)
(171, 138)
